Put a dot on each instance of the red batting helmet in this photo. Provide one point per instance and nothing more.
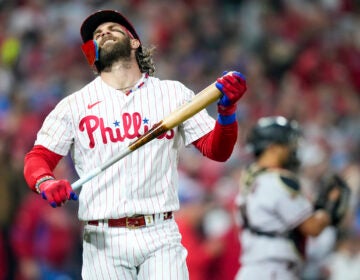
(94, 20)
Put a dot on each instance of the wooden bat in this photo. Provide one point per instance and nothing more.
(201, 100)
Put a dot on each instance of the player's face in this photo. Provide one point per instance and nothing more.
(114, 43)
(109, 32)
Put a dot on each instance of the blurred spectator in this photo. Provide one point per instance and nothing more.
(344, 262)
(219, 224)
(318, 249)
(11, 183)
(45, 240)
(206, 222)
(202, 249)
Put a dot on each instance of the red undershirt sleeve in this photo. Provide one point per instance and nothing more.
(39, 162)
(219, 143)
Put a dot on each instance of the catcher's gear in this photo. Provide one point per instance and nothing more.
(275, 130)
(270, 130)
(334, 196)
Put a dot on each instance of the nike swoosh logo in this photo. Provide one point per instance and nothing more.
(92, 105)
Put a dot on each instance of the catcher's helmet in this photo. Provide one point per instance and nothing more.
(93, 21)
(272, 130)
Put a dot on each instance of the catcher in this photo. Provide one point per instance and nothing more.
(276, 216)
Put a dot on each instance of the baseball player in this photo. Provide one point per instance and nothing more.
(276, 217)
(127, 210)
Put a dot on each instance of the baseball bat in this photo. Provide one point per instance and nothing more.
(201, 100)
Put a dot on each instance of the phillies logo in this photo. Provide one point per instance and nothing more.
(131, 126)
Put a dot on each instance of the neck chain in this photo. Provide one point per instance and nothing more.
(137, 85)
(122, 89)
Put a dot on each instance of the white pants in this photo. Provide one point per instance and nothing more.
(151, 253)
(271, 270)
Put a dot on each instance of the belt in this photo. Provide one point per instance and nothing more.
(136, 221)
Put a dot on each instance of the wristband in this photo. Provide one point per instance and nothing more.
(224, 120)
(42, 180)
(226, 110)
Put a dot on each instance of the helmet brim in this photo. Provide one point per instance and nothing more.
(94, 20)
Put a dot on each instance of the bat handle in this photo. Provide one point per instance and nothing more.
(77, 184)
(96, 171)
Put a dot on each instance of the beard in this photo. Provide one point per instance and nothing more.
(111, 53)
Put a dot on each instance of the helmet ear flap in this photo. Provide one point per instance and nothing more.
(91, 51)
(255, 144)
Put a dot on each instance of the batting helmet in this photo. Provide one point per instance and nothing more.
(93, 21)
(272, 130)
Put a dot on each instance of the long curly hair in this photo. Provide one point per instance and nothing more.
(144, 58)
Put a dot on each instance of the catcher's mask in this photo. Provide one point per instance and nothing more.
(89, 47)
(275, 130)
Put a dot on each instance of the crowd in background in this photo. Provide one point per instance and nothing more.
(301, 59)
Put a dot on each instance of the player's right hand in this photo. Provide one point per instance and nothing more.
(57, 192)
(232, 86)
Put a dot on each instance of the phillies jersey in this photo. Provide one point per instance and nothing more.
(272, 206)
(98, 121)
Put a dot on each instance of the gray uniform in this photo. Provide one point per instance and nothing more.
(272, 206)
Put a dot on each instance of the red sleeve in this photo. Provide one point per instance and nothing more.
(219, 143)
(39, 162)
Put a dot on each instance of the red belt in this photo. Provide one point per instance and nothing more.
(132, 222)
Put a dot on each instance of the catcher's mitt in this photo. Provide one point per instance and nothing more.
(334, 196)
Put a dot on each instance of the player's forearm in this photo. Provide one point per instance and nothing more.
(39, 162)
(316, 223)
(219, 143)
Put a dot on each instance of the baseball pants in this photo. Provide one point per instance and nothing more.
(151, 253)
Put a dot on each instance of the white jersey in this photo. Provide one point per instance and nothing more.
(98, 121)
(274, 205)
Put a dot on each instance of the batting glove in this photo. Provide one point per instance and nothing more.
(57, 192)
(232, 87)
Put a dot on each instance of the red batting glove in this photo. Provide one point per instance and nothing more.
(233, 86)
(57, 192)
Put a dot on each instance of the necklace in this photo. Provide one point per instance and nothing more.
(135, 86)
(122, 89)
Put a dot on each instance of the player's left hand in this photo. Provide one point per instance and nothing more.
(233, 86)
(334, 197)
(57, 192)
